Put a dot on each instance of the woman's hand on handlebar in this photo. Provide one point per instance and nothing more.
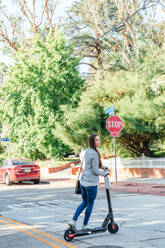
(109, 172)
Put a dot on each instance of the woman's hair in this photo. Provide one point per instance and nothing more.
(93, 146)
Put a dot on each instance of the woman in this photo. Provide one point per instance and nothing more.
(89, 181)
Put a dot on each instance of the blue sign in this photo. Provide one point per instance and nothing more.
(110, 110)
(4, 139)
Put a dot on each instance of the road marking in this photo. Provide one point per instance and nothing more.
(39, 232)
(30, 234)
(37, 204)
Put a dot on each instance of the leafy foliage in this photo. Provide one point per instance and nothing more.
(42, 80)
(138, 98)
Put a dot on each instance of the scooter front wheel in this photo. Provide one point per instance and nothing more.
(113, 227)
(69, 234)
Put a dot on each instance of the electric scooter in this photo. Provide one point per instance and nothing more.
(108, 222)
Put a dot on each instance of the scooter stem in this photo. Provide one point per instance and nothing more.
(110, 213)
(106, 181)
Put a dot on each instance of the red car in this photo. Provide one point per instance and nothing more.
(19, 170)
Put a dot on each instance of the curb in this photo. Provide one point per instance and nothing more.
(67, 165)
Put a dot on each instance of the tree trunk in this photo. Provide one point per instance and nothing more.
(136, 144)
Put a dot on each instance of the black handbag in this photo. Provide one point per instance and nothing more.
(77, 187)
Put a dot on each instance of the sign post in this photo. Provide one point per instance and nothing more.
(114, 125)
(115, 160)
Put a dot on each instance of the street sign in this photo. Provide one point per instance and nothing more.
(114, 124)
(4, 139)
(110, 110)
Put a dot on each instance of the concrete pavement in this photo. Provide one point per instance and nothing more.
(50, 206)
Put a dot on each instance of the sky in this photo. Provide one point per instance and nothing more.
(62, 6)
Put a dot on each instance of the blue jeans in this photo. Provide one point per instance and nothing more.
(88, 197)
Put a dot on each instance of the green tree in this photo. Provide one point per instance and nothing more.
(138, 98)
(79, 123)
(1, 148)
(43, 81)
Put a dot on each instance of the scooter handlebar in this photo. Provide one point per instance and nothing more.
(107, 170)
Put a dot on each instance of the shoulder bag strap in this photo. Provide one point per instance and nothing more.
(80, 168)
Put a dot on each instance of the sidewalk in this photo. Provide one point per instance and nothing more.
(155, 186)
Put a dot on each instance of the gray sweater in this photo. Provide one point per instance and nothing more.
(91, 171)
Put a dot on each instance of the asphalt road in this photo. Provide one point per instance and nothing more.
(35, 216)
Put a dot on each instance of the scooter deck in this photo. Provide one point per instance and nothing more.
(89, 232)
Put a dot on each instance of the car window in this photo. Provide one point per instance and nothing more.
(24, 162)
(7, 163)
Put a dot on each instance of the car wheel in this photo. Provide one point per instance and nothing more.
(36, 181)
(7, 180)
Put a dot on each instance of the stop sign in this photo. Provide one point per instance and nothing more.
(114, 124)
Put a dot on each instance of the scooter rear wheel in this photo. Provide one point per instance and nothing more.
(68, 234)
(113, 227)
